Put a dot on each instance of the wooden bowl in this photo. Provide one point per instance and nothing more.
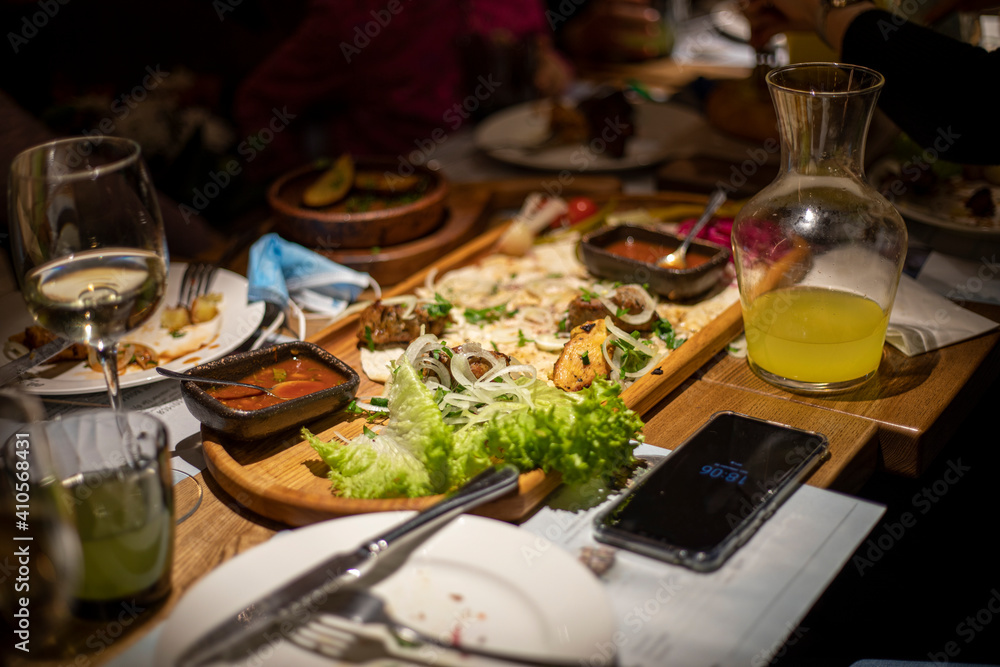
(674, 284)
(333, 229)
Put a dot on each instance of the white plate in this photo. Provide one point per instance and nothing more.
(944, 208)
(502, 587)
(239, 321)
(501, 134)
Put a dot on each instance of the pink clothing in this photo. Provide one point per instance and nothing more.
(368, 77)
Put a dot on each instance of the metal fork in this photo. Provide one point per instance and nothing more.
(356, 628)
(196, 281)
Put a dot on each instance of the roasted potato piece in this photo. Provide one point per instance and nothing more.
(174, 319)
(333, 185)
(582, 360)
(205, 307)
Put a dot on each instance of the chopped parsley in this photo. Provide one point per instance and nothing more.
(440, 308)
(368, 339)
(585, 357)
(632, 358)
(484, 315)
(587, 296)
(621, 312)
(380, 402)
(663, 330)
(523, 340)
(178, 334)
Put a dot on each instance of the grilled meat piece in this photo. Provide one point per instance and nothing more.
(35, 336)
(981, 203)
(582, 359)
(479, 365)
(382, 325)
(626, 296)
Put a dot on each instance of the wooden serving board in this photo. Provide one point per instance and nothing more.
(284, 479)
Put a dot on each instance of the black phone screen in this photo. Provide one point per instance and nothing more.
(703, 491)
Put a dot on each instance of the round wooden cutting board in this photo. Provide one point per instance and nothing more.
(284, 479)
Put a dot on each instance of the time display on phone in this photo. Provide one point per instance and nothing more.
(732, 472)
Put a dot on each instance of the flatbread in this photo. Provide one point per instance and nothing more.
(533, 293)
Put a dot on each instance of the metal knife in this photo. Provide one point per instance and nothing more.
(38, 356)
(293, 603)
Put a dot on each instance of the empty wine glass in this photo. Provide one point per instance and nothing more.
(87, 242)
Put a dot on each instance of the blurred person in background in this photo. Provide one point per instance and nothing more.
(392, 77)
(938, 90)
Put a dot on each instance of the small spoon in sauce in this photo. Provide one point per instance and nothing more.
(192, 378)
(676, 259)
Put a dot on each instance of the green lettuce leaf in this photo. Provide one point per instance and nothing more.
(410, 457)
(582, 435)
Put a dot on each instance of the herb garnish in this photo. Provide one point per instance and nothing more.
(663, 330)
(440, 308)
(483, 315)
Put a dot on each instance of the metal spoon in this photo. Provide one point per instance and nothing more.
(192, 378)
(676, 259)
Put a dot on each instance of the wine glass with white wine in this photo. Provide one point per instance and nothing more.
(88, 243)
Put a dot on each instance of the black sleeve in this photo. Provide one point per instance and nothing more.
(941, 92)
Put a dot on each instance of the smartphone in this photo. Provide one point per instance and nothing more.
(704, 500)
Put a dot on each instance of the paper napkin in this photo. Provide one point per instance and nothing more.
(922, 320)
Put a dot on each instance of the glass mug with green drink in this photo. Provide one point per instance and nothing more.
(119, 493)
(39, 550)
(819, 251)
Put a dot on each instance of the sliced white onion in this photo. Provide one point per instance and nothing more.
(408, 301)
(429, 280)
(648, 305)
(366, 405)
(550, 343)
(642, 345)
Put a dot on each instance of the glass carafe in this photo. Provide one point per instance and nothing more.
(819, 251)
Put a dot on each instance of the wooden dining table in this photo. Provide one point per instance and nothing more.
(897, 423)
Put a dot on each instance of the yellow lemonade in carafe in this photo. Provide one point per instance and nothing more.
(813, 334)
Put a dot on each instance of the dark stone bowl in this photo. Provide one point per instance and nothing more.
(257, 424)
(674, 284)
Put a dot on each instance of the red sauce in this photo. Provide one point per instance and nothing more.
(292, 378)
(649, 253)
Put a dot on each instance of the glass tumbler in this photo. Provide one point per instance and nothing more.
(819, 251)
(119, 488)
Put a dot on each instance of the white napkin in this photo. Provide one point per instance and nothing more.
(922, 320)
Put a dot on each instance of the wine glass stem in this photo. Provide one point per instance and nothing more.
(107, 355)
